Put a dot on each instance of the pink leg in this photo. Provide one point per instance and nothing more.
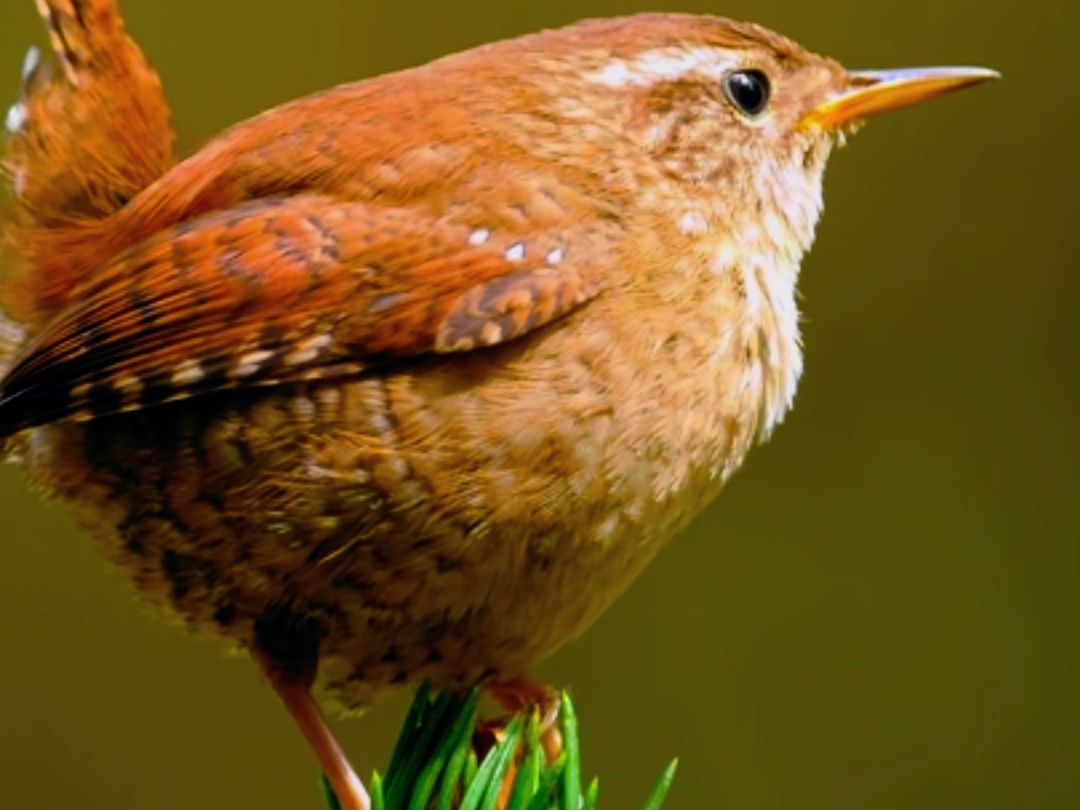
(296, 695)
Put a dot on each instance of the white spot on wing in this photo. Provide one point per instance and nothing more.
(250, 363)
(479, 237)
(516, 252)
(308, 350)
(491, 334)
(189, 372)
(128, 384)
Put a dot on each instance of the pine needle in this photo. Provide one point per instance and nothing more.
(435, 764)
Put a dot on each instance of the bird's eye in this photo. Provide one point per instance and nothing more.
(748, 90)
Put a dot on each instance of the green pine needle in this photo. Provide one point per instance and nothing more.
(378, 800)
(572, 774)
(593, 794)
(662, 788)
(434, 765)
(457, 738)
(528, 779)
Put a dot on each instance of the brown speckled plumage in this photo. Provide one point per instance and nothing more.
(371, 357)
(409, 379)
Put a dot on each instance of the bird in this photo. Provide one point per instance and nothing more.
(409, 379)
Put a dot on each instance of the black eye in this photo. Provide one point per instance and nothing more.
(748, 90)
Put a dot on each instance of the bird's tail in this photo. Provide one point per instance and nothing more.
(86, 135)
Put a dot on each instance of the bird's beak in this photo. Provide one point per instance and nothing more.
(870, 92)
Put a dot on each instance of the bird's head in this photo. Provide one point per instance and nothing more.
(711, 102)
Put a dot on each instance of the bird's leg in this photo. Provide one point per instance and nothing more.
(516, 694)
(286, 650)
(296, 695)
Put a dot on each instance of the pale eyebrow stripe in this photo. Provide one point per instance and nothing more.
(664, 65)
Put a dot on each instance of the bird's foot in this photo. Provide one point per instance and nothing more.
(518, 694)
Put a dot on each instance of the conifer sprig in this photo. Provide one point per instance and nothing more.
(435, 764)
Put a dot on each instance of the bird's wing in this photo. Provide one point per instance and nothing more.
(287, 290)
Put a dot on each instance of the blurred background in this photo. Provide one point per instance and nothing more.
(881, 610)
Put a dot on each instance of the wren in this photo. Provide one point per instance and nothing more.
(410, 379)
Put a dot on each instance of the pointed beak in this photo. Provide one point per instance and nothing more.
(870, 92)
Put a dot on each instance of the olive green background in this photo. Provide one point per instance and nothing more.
(880, 611)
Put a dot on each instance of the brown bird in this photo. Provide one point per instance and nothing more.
(410, 379)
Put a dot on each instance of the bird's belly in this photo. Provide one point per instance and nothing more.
(432, 527)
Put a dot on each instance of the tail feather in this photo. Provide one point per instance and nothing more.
(82, 141)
